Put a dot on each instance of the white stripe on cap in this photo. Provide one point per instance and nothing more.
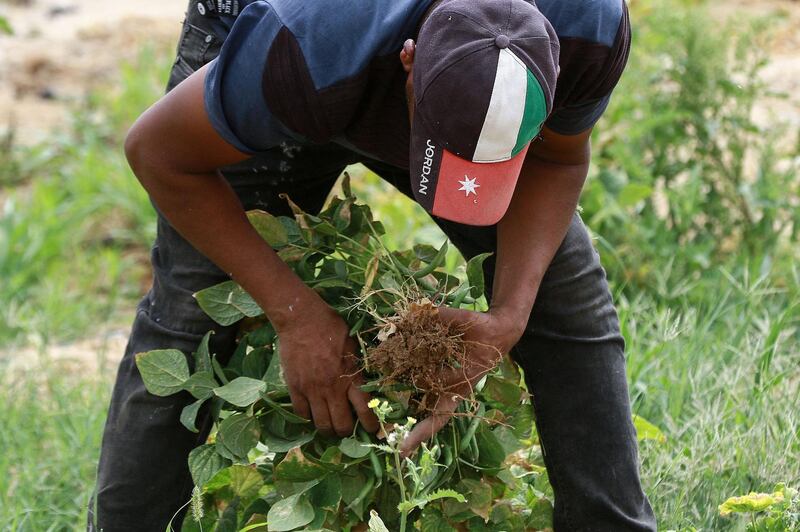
(506, 108)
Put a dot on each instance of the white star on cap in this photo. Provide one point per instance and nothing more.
(469, 185)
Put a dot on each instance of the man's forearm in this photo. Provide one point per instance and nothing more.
(530, 233)
(204, 209)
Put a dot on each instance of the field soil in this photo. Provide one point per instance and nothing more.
(62, 49)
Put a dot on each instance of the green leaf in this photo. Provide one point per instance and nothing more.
(201, 384)
(387, 281)
(164, 371)
(376, 523)
(420, 502)
(259, 507)
(647, 431)
(521, 420)
(224, 451)
(445, 494)
(751, 503)
(204, 463)
(241, 391)
(229, 521)
(353, 448)
(218, 371)
(274, 376)
(425, 252)
(280, 437)
(295, 467)
(291, 417)
(189, 415)
(239, 433)
(480, 496)
(502, 391)
(256, 362)
(202, 357)
(475, 274)
(245, 481)
(327, 493)
(227, 303)
(633, 193)
(490, 450)
(508, 441)
(5, 26)
(269, 227)
(541, 516)
(433, 521)
(290, 513)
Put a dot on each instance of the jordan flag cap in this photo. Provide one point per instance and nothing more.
(484, 78)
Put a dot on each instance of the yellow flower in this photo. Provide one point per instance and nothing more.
(374, 403)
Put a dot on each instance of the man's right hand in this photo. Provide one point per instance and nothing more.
(320, 371)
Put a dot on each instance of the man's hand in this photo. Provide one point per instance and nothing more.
(318, 364)
(488, 336)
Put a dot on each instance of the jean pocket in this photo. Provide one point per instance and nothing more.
(180, 71)
(197, 46)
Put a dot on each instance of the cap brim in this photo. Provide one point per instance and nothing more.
(458, 189)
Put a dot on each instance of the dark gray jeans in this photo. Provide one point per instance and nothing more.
(571, 353)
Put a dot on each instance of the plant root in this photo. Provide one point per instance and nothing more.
(416, 348)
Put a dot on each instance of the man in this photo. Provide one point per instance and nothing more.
(478, 124)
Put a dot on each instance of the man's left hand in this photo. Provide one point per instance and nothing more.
(488, 336)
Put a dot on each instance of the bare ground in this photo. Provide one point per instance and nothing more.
(61, 49)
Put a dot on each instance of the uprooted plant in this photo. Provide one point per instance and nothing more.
(264, 467)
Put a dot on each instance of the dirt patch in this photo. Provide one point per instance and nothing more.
(782, 74)
(92, 356)
(63, 49)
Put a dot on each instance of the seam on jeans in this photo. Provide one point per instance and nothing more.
(179, 333)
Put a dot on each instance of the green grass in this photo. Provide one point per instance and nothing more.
(51, 429)
(713, 353)
(721, 380)
(74, 223)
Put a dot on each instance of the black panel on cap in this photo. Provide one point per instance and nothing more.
(456, 63)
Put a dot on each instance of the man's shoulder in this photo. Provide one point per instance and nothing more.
(595, 21)
(338, 38)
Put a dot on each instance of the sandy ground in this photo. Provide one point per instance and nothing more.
(63, 48)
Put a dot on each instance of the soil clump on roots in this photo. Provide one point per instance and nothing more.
(417, 348)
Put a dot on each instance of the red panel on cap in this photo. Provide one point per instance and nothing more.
(475, 193)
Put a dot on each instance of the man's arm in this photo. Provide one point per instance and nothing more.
(536, 222)
(528, 237)
(175, 152)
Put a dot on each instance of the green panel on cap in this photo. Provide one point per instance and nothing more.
(533, 116)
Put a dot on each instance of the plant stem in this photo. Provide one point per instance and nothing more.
(399, 475)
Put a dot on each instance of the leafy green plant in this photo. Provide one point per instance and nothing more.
(265, 464)
(778, 511)
(686, 175)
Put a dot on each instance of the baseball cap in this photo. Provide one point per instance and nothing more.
(484, 78)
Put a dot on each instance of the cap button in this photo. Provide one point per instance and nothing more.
(501, 41)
